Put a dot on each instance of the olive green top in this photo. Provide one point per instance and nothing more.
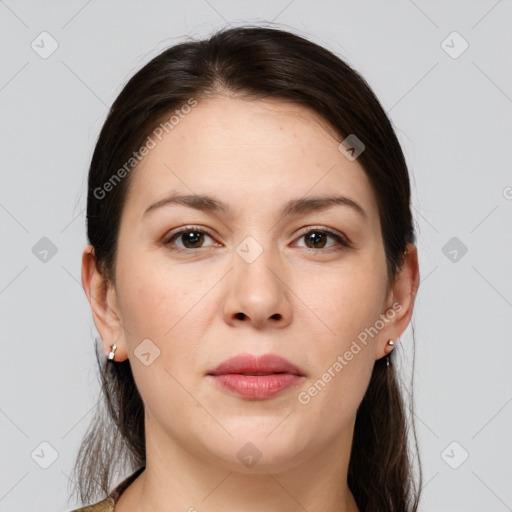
(107, 504)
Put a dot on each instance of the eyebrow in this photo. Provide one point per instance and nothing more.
(208, 203)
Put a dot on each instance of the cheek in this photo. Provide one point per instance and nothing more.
(170, 306)
(344, 302)
(166, 308)
(347, 302)
(156, 299)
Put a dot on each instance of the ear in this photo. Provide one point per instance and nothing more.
(400, 300)
(103, 301)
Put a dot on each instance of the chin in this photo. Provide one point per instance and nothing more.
(260, 452)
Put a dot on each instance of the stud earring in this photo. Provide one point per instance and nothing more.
(391, 343)
(112, 352)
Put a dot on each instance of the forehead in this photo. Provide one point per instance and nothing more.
(253, 152)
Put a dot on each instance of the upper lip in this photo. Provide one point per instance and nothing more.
(252, 364)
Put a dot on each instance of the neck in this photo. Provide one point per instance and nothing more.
(194, 481)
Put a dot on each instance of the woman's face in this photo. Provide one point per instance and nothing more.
(257, 272)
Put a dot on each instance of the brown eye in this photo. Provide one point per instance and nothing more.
(187, 238)
(316, 239)
(192, 239)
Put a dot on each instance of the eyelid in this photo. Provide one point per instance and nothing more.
(185, 229)
(341, 240)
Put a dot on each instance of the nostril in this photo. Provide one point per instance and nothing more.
(240, 316)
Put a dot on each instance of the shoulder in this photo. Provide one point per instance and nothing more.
(106, 505)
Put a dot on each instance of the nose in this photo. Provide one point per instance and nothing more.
(257, 293)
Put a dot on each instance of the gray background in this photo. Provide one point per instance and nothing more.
(453, 117)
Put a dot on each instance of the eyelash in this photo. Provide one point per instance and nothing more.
(341, 241)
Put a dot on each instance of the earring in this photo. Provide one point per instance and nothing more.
(112, 352)
(390, 343)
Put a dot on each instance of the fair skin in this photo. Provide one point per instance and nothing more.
(306, 301)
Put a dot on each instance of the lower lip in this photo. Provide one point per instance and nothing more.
(256, 387)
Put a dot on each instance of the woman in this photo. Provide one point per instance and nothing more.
(251, 266)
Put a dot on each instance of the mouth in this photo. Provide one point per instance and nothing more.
(261, 373)
(256, 365)
(255, 377)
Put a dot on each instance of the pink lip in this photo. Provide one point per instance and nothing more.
(239, 375)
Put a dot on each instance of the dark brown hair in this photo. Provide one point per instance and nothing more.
(252, 62)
